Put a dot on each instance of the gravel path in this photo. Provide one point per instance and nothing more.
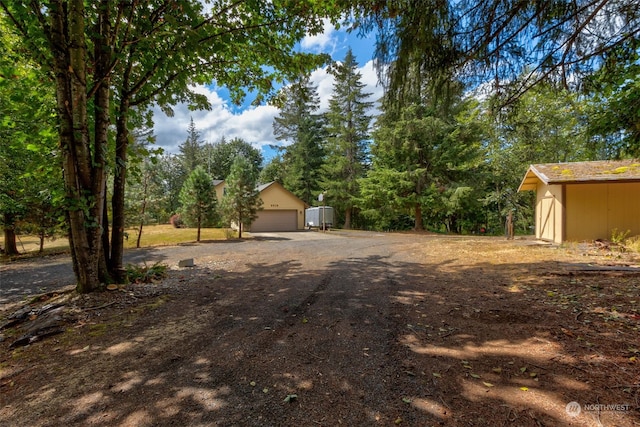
(25, 278)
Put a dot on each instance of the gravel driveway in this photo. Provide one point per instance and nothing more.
(24, 278)
(326, 329)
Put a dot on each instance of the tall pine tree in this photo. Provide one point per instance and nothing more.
(191, 149)
(418, 150)
(348, 134)
(302, 128)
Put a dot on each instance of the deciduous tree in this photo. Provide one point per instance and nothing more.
(223, 153)
(120, 57)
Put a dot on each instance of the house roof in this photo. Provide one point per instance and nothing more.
(263, 187)
(581, 172)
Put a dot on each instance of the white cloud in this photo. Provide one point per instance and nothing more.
(320, 42)
(254, 125)
(324, 82)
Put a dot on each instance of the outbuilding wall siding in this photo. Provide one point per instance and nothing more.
(595, 210)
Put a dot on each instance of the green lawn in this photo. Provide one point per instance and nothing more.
(152, 235)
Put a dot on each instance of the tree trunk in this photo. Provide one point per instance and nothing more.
(10, 247)
(419, 226)
(139, 234)
(347, 219)
(102, 117)
(84, 174)
(145, 193)
(103, 267)
(117, 201)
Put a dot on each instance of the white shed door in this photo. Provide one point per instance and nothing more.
(275, 221)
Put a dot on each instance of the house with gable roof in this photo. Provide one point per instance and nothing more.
(281, 209)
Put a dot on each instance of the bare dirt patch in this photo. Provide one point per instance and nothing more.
(351, 329)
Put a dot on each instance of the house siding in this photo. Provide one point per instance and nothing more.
(275, 197)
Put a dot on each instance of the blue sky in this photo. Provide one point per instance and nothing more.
(254, 124)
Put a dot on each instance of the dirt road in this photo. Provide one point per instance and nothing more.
(25, 278)
(353, 329)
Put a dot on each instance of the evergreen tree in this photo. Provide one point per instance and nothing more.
(188, 158)
(198, 199)
(348, 132)
(298, 125)
(418, 152)
(191, 149)
(242, 201)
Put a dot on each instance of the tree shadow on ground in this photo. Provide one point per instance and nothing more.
(365, 340)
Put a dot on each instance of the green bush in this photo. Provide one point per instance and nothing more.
(146, 274)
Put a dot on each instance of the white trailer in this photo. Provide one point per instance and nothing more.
(319, 217)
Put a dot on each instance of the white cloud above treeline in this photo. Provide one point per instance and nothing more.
(253, 124)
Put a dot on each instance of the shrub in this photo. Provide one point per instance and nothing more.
(146, 274)
(618, 237)
(176, 221)
(632, 244)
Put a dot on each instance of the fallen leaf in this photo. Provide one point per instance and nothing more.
(475, 375)
(524, 388)
(406, 400)
(265, 390)
(487, 384)
(497, 370)
(252, 383)
(290, 398)
(437, 375)
(523, 369)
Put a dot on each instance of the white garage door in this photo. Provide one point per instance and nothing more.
(275, 221)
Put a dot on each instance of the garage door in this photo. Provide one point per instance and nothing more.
(275, 221)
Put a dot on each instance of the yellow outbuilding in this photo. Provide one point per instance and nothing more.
(585, 200)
